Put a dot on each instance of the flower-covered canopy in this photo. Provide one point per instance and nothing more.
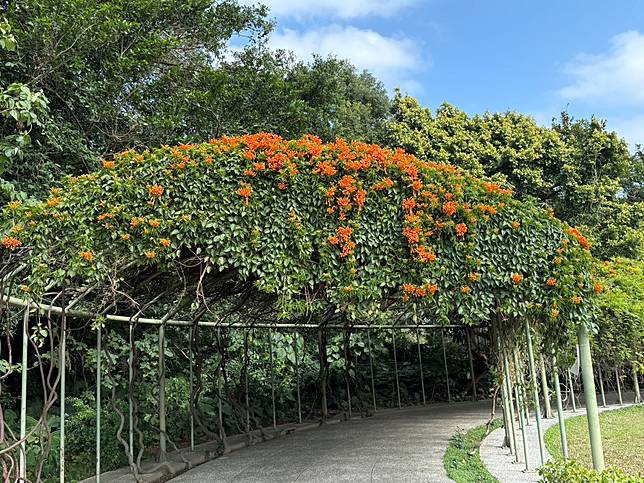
(305, 226)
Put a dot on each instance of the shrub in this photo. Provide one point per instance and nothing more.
(560, 471)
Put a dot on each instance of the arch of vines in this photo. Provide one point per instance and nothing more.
(258, 228)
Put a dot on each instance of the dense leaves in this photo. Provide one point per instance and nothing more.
(350, 225)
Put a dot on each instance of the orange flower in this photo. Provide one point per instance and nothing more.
(11, 243)
(250, 155)
(417, 185)
(516, 225)
(552, 282)
(576, 300)
(517, 278)
(87, 256)
(125, 236)
(51, 202)
(360, 197)
(466, 290)
(282, 186)
(474, 277)
(580, 238)
(330, 193)
(108, 164)
(154, 223)
(598, 287)
(150, 255)
(384, 184)
(250, 173)
(156, 190)
(408, 204)
(346, 182)
(334, 240)
(425, 255)
(461, 229)
(164, 242)
(432, 288)
(14, 205)
(412, 234)
(245, 192)
(554, 313)
(449, 208)
(136, 221)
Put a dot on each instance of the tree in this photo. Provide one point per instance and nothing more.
(21, 110)
(577, 168)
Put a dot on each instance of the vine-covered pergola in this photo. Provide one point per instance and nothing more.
(261, 232)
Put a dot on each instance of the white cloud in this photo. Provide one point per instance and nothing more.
(389, 59)
(333, 8)
(614, 77)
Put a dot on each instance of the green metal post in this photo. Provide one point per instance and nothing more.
(449, 394)
(508, 383)
(62, 367)
(571, 390)
(469, 353)
(520, 404)
(347, 336)
(560, 412)
(130, 365)
(246, 391)
(636, 385)
(162, 425)
(23, 396)
(373, 384)
(592, 415)
(297, 374)
(192, 396)
(619, 386)
(507, 420)
(220, 379)
(270, 350)
(420, 365)
(535, 389)
(601, 384)
(98, 404)
(545, 388)
(393, 338)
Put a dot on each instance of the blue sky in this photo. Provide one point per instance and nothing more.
(534, 57)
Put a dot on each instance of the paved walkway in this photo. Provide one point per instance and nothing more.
(394, 445)
(501, 463)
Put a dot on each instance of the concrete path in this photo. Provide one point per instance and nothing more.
(501, 463)
(395, 445)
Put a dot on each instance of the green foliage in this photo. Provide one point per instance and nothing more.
(21, 110)
(559, 471)
(620, 336)
(373, 221)
(462, 460)
(578, 168)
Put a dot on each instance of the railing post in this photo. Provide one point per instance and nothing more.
(23, 395)
(347, 345)
(571, 391)
(192, 397)
(544, 387)
(130, 365)
(270, 350)
(592, 415)
(469, 353)
(520, 409)
(508, 384)
(535, 389)
(601, 384)
(636, 385)
(98, 404)
(62, 367)
(449, 393)
(373, 384)
(297, 376)
(420, 364)
(560, 413)
(393, 338)
(162, 425)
